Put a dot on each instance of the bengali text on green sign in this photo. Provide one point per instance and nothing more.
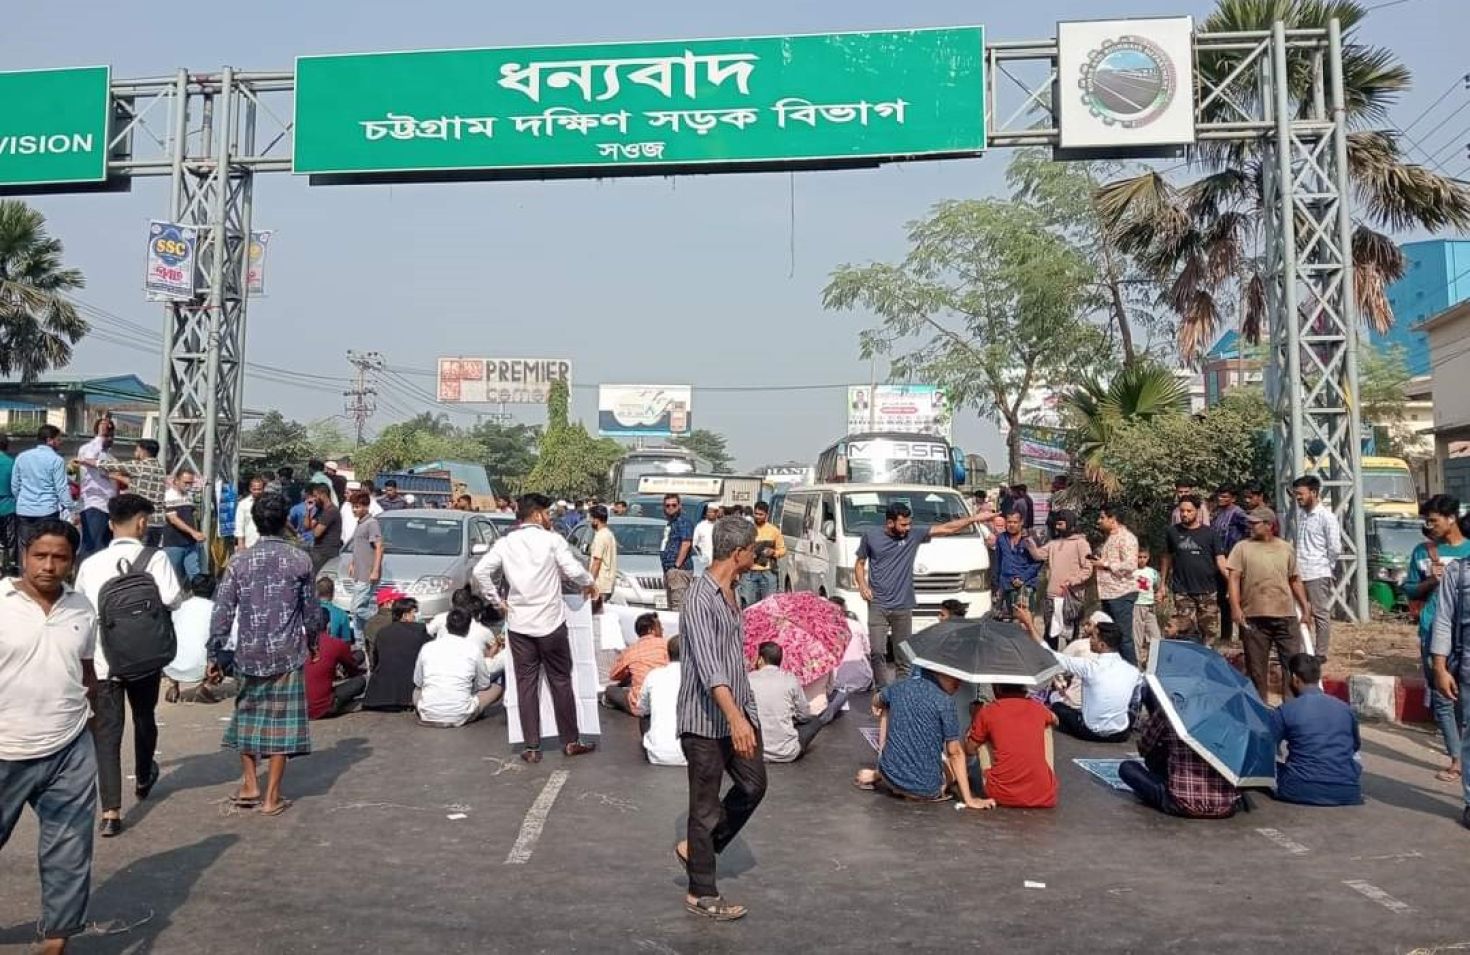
(762, 101)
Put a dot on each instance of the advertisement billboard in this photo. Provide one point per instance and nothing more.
(171, 262)
(625, 107)
(507, 381)
(647, 411)
(916, 409)
(1126, 83)
(53, 126)
(1045, 448)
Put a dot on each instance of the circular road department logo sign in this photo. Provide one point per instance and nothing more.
(1128, 82)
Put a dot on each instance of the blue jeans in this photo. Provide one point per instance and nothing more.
(186, 561)
(1446, 715)
(62, 790)
(96, 532)
(1121, 610)
(362, 606)
(757, 585)
(1465, 739)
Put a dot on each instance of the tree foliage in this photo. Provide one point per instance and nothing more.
(1228, 443)
(987, 304)
(1205, 240)
(508, 452)
(572, 464)
(413, 442)
(709, 446)
(37, 326)
(1137, 393)
(1382, 375)
(1066, 196)
(275, 442)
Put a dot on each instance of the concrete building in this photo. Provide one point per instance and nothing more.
(1448, 336)
(1436, 276)
(72, 404)
(1225, 367)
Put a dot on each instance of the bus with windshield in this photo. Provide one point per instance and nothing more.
(822, 525)
(892, 457)
(652, 462)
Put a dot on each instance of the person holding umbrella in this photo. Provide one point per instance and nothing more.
(1209, 735)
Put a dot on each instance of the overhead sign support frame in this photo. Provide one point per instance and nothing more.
(212, 133)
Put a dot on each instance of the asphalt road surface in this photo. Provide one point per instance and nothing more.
(405, 839)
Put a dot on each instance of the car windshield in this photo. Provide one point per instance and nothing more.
(641, 539)
(1389, 486)
(1398, 538)
(864, 509)
(422, 536)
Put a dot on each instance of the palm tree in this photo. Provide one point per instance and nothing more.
(1138, 392)
(37, 326)
(1202, 239)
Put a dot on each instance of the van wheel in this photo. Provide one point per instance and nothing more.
(822, 592)
(788, 585)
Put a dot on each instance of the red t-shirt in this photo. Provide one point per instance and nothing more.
(321, 672)
(1019, 775)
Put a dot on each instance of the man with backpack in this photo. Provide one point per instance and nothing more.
(134, 591)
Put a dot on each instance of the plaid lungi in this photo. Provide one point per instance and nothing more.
(270, 716)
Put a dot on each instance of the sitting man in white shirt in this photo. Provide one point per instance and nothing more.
(476, 606)
(1109, 691)
(658, 701)
(787, 724)
(183, 679)
(454, 680)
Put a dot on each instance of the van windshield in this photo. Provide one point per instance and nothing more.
(864, 509)
(1388, 486)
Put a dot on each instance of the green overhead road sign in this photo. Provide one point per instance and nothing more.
(621, 107)
(53, 126)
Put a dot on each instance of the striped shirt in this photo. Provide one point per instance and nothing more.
(712, 649)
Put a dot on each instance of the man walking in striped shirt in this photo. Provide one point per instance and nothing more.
(719, 725)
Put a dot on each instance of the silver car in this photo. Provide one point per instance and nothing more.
(640, 580)
(428, 554)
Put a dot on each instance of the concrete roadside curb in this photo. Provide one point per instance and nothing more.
(1390, 699)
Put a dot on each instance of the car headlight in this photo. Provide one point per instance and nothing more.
(623, 580)
(846, 578)
(977, 581)
(429, 586)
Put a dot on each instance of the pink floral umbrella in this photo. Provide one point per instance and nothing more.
(811, 631)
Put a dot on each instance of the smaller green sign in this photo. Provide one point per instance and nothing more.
(54, 126)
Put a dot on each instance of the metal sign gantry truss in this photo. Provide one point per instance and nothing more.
(212, 133)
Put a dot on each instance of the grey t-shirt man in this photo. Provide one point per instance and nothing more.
(364, 541)
(891, 565)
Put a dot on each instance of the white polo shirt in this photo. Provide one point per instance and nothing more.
(43, 701)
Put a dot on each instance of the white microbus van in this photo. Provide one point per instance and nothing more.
(823, 524)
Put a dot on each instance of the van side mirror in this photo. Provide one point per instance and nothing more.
(829, 530)
(479, 547)
(839, 471)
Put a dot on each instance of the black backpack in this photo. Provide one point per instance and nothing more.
(137, 629)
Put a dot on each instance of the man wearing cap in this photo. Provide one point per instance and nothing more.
(338, 482)
(1265, 590)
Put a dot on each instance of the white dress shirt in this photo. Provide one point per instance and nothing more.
(108, 563)
(1108, 684)
(703, 541)
(659, 700)
(245, 522)
(449, 672)
(534, 562)
(1318, 542)
(480, 635)
(191, 630)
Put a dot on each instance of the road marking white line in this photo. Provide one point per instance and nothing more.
(535, 820)
(1284, 841)
(1377, 895)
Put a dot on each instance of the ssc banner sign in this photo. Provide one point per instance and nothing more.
(260, 243)
(171, 251)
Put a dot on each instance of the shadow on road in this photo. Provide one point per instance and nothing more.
(136, 904)
(312, 775)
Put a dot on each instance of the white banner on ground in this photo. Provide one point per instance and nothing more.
(625, 617)
(584, 681)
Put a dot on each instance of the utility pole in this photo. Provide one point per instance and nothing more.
(361, 397)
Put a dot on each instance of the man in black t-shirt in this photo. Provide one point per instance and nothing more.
(324, 520)
(1193, 566)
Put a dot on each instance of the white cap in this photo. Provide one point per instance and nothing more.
(330, 466)
(354, 485)
(1099, 617)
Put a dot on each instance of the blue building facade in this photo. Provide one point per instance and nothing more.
(1436, 276)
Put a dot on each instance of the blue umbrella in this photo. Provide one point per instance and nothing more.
(1215, 711)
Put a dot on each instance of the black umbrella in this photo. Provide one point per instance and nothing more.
(983, 651)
